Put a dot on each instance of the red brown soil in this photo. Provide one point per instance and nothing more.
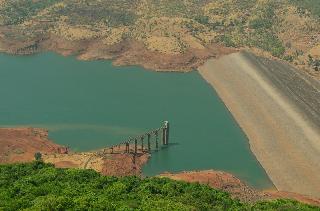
(137, 54)
(130, 52)
(20, 144)
(127, 52)
(118, 163)
(65, 164)
(237, 189)
(123, 165)
(287, 195)
(221, 181)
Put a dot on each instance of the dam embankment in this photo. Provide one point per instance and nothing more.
(278, 108)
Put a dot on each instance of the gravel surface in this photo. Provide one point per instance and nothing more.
(278, 107)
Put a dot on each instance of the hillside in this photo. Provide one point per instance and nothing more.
(163, 35)
(39, 186)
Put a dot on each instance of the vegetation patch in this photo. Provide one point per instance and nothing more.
(39, 186)
(278, 28)
(312, 6)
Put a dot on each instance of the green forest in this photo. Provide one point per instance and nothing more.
(39, 186)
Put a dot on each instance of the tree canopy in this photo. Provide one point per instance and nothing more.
(39, 186)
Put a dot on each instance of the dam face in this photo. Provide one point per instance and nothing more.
(278, 107)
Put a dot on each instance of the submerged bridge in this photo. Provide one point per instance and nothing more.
(145, 142)
(137, 145)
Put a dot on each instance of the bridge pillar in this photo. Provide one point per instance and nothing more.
(165, 140)
(156, 134)
(135, 146)
(142, 143)
(149, 147)
(134, 158)
(127, 147)
(166, 133)
(163, 136)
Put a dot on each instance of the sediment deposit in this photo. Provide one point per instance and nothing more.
(19, 145)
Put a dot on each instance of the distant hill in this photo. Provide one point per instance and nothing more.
(188, 30)
(39, 186)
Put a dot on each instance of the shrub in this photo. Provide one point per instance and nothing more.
(39, 186)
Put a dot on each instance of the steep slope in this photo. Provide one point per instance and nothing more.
(278, 108)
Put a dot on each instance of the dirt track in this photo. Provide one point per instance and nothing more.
(18, 145)
(278, 108)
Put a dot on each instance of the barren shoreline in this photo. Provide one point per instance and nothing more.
(278, 108)
(127, 52)
(227, 182)
(18, 145)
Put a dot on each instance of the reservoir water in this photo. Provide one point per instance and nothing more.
(89, 105)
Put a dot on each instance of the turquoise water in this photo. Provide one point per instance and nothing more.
(89, 105)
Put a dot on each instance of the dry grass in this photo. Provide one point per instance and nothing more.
(277, 28)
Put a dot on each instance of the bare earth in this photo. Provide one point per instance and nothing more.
(278, 108)
(20, 144)
(127, 52)
(103, 161)
(227, 182)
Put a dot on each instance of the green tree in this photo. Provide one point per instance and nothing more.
(40, 186)
(38, 156)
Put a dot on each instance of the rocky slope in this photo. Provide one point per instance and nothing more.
(229, 183)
